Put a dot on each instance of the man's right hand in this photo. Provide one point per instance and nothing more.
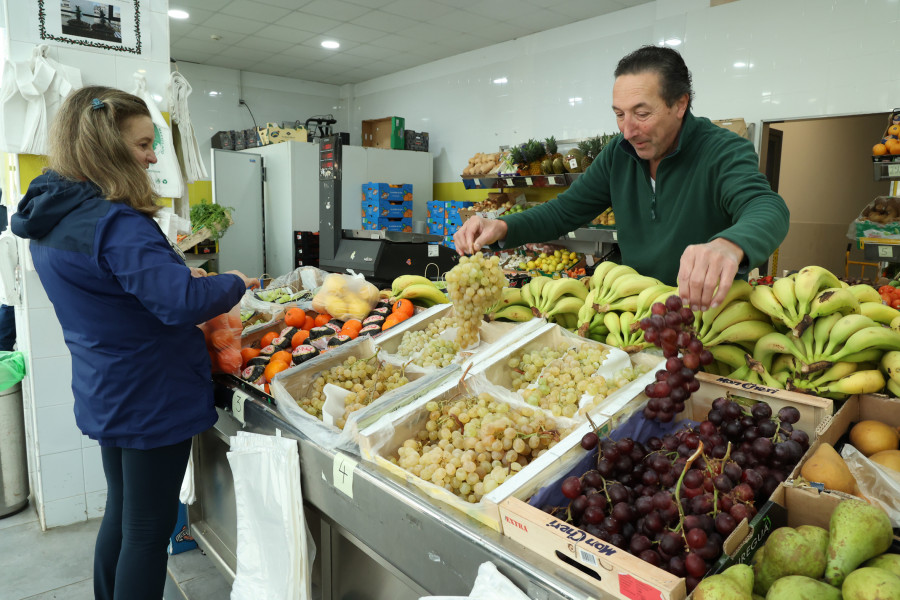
(478, 232)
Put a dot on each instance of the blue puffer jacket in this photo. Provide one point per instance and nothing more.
(128, 307)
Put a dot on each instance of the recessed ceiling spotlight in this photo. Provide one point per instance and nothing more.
(672, 42)
(330, 44)
(740, 65)
(501, 80)
(178, 14)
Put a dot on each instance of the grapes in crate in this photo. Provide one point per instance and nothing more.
(470, 445)
(474, 285)
(669, 328)
(672, 501)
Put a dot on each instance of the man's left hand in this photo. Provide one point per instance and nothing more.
(706, 267)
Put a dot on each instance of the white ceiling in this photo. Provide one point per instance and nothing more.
(377, 37)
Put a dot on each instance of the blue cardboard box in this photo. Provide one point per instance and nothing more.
(436, 229)
(436, 209)
(181, 539)
(387, 191)
(394, 209)
(388, 224)
(457, 204)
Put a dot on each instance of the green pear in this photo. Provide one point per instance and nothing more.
(798, 587)
(871, 583)
(734, 583)
(857, 532)
(742, 575)
(888, 562)
(790, 551)
(758, 597)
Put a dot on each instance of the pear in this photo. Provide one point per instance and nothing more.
(857, 532)
(734, 583)
(888, 562)
(798, 587)
(871, 583)
(790, 551)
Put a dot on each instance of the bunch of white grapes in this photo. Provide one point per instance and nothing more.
(437, 353)
(471, 445)
(526, 367)
(366, 379)
(474, 285)
(415, 341)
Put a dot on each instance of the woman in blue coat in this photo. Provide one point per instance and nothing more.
(129, 310)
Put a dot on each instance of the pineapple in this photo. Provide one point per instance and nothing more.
(534, 154)
(586, 159)
(517, 154)
(552, 149)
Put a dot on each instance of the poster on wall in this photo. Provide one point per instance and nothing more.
(104, 24)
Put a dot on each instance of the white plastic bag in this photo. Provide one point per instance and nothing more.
(275, 552)
(490, 584)
(166, 173)
(877, 483)
(179, 90)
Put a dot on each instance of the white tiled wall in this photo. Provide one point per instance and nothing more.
(65, 470)
(802, 58)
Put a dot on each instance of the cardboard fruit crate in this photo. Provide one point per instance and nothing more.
(384, 133)
(381, 440)
(615, 570)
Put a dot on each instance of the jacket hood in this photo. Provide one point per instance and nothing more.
(48, 200)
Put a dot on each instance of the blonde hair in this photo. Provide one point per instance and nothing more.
(87, 143)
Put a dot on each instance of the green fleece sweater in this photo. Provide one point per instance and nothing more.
(709, 187)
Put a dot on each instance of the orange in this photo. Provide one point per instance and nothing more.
(309, 323)
(393, 319)
(894, 130)
(273, 368)
(282, 355)
(893, 146)
(404, 306)
(267, 339)
(322, 319)
(299, 338)
(350, 333)
(247, 354)
(294, 317)
(354, 324)
(879, 149)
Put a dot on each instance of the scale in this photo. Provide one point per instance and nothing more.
(380, 256)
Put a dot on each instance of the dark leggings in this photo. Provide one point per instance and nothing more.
(141, 510)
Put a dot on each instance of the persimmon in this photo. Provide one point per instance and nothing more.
(350, 333)
(267, 339)
(354, 324)
(393, 319)
(274, 368)
(282, 355)
(299, 337)
(248, 353)
(403, 306)
(322, 319)
(295, 317)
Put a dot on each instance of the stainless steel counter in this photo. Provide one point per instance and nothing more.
(411, 544)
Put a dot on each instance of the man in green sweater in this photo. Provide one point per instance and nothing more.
(680, 187)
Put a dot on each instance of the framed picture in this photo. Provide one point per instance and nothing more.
(104, 24)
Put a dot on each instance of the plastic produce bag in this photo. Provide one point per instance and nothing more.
(490, 584)
(345, 297)
(12, 369)
(166, 173)
(878, 484)
(275, 552)
(223, 341)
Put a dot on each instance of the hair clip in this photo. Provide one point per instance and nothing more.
(96, 104)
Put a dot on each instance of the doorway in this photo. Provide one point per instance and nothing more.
(822, 167)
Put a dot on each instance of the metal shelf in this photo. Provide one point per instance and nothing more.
(887, 170)
(520, 181)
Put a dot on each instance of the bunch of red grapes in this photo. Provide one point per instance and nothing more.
(672, 501)
(669, 328)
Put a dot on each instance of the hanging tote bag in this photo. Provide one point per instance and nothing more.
(166, 173)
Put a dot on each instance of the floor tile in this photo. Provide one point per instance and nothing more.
(28, 515)
(83, 590)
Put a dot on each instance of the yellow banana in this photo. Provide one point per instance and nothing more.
(807, 284)
(882, 338)
(734, 313)
(739, 290)
(567, 304)
(401, 283)
(625, 320)
(890, 364)
(612, 323)
(865, 293)
(773, 344)
(782, 363)
(626, 285)
(893, 388)
(864, 356)
(878, 312)
(586, 313)
(859, 382)
(514, 312)
(613, 274)
(834, 300)
(600, 273)
(838, 370)
(842, 330)
(535, 286)
(763, 298)
(646, 298)
(731, 355)
(783, 288)
(626, 304)
(559, 288)
(527, 298)
(423, 292)
(895, 324)
(821, 329)
(745, 331)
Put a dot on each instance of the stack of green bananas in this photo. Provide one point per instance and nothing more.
(419, 290)
(511, 307)
(617, 289)
(557, 300)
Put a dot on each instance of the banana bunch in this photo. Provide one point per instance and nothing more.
(735, 321)
(557, 300)
(511, 307)
(616, 287)
(418, 290)
(798, 299)
(621, 334)
(890, 365)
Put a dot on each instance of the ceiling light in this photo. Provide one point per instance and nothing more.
(767, 93)
(178, 14)
(157, 97)
(672, 42)
(330, 44)
(573, 101)
(501, 80)
(215, 93)
(740, 65)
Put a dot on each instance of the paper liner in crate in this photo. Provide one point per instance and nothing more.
(292, 384)
(493, 336)
(382, 438)
(553, 336)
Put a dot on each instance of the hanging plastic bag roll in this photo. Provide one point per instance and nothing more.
(179, 90)
(166, 173)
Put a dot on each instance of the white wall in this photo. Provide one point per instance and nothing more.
(215, 93)
(65, 470)
(809, 58)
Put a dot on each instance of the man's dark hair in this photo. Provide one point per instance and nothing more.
(674, 77)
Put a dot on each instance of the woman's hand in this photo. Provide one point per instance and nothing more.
(198, 272)
(249, 283)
